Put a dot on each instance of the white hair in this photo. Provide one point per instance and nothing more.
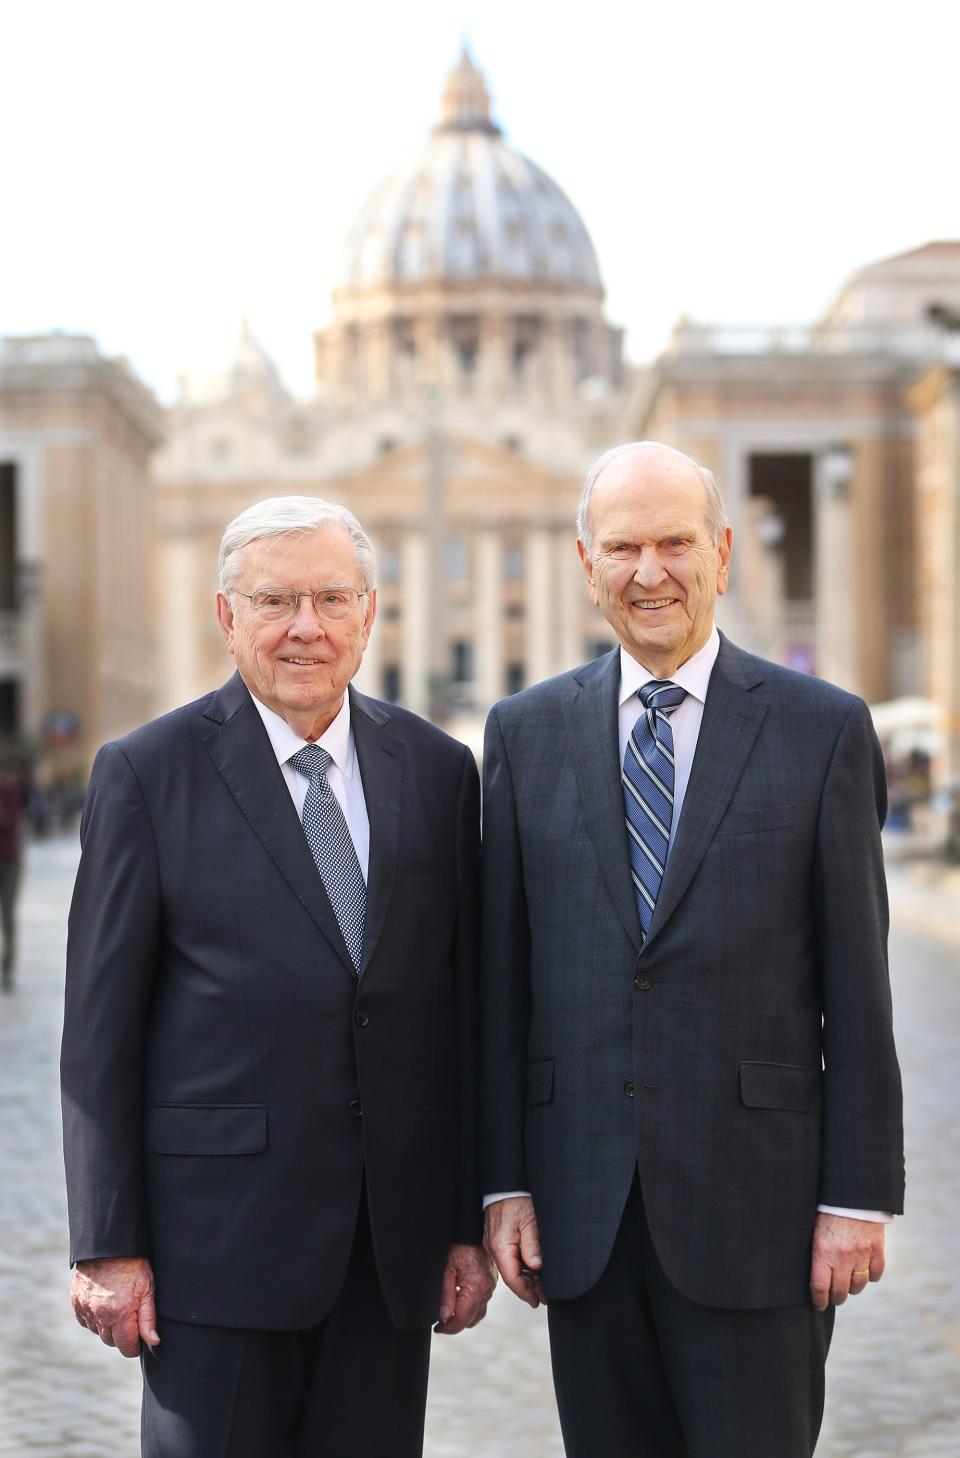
(716, 512)
(281, 516)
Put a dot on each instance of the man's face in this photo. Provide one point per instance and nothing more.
(654, 572)
(299, 667)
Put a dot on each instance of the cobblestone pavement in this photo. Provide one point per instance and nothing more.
(892, 1389)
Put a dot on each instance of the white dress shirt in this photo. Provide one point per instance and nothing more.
(343, 775)
(685, 721)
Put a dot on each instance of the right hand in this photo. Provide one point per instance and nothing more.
(512, 1237)
(114, 1297)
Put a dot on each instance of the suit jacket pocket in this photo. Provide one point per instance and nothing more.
(207, 1129)
(764, 817)
(781, 1086)
(540, 1082)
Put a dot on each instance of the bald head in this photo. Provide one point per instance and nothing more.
(667, 462)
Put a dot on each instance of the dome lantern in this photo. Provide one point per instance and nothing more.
(465, 106)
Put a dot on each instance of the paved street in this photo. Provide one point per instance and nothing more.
(893, 1388)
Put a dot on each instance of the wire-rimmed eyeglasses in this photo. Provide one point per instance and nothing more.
(331, 604)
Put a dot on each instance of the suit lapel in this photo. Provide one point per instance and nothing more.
(380, 757)
(731, 721)
(592, 724)
(240, 748)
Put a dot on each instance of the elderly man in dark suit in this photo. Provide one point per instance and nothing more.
(692, 1114)
(268, 1054)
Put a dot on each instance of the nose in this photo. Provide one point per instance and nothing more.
(649, 570)
(306, 622)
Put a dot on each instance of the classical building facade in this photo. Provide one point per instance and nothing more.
(467, 377)
(76, 549)
(814, 433)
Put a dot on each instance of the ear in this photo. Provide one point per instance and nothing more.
(369, 620)
(225, 618)
(588, 571)
(724, 549)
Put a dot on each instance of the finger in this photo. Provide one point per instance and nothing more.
(147, 1321)
(448, 1296)
(530, 1246)
(469, 1300)
(859, 1280)
(126, 1336)
(480, 1314)
(507, 1257)
(105, 1334)
(820, 1277)
(878, 1264)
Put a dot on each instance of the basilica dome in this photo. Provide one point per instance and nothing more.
(467, 208)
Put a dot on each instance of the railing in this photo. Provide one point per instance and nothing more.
(923, 342)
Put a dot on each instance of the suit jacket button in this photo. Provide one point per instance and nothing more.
(356, 1108)
(361, 1019)
(644, 983)
(628, 1089)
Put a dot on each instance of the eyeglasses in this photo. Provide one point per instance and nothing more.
(277, 604)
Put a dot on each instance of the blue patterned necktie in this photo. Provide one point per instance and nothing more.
(332, 846)
(648, 781)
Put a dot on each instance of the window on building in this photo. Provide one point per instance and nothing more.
(465, 337)
(9, 708)
(8, 536)
(514, 678)
(388, 564)
(391, 682)
(457, 558)
(526, 341)
(461, 660)
(221, 448)
(513, 563)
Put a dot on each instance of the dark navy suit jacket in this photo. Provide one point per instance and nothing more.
(741, 1059)
(218, 1048)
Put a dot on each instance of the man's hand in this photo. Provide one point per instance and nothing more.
(468, 1283)
(512, 1237)
(847, 1254)
(114, 1298)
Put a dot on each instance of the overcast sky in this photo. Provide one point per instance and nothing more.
(170, 168)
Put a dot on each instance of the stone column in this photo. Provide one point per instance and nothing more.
(180, 675)
(570, 594)
(835, 568)
(488, 619)
(369, 676)
(540, 605)
(415, 636)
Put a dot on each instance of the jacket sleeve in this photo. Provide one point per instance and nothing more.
(505, 977)
(112, 953)
(863, 1118)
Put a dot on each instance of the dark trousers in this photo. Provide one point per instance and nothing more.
(9, 890)
(352, 1387)
(642, 1372)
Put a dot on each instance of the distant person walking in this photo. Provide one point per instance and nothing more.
(11, 855)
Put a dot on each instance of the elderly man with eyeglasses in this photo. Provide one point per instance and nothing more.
(268, 1055)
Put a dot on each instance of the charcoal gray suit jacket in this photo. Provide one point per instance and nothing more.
(742, 1058)
(218, 1047)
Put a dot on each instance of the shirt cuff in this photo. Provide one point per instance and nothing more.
(882, 1217)
(506, 1195)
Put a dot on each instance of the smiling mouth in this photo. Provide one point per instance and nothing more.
(654, 603)
(302, 662)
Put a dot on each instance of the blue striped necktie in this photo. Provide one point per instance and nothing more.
(332, 846)
(648, 781)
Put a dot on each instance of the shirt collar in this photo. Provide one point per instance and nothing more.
(694, 675)
(336, 739)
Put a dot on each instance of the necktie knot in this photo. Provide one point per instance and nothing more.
(661, 695)
(311, 761)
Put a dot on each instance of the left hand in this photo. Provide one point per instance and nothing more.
(468, 1283)
(847, 1254)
